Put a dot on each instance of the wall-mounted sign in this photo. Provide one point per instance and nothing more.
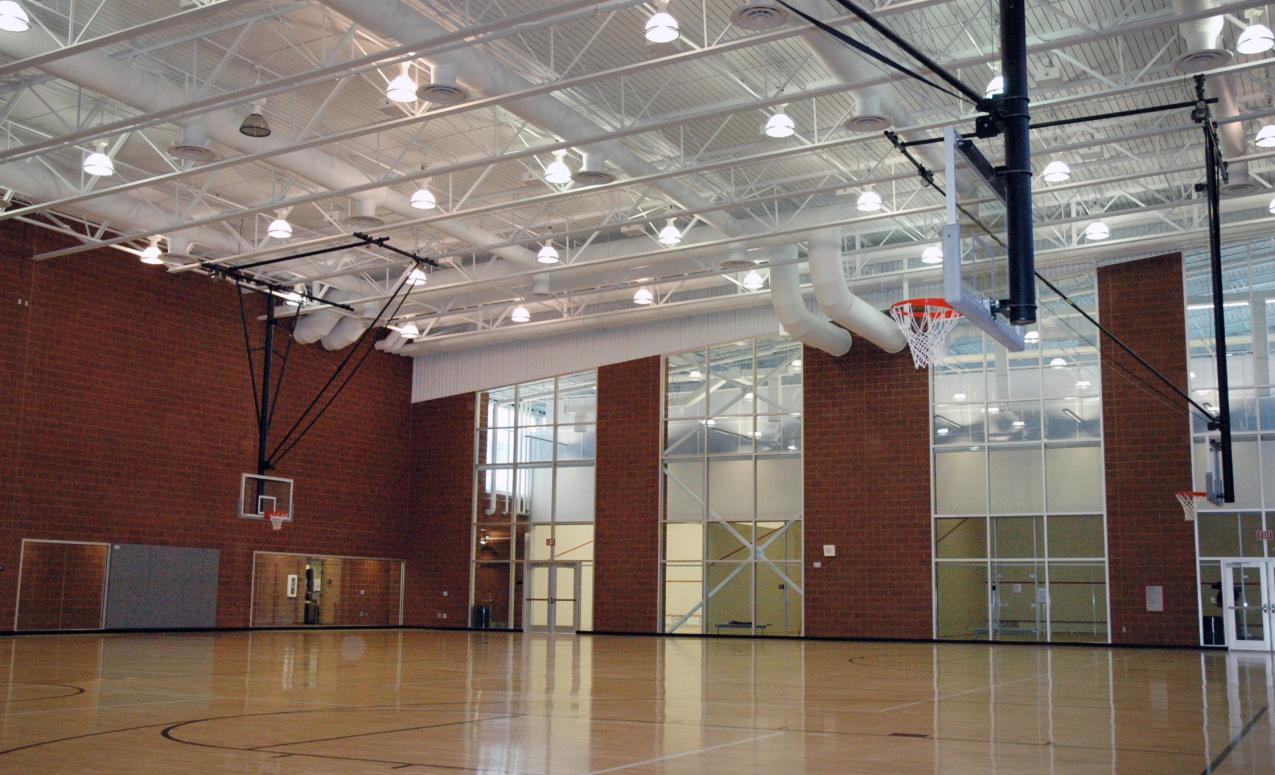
(1266, 535)
(292, 585)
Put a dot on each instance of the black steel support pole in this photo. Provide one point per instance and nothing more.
(1213, 160)
(263, 421)
(1016, 124)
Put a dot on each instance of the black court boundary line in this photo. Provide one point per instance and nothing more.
(610, 633)
(75, 691)
(167, 728)
(1235, 742)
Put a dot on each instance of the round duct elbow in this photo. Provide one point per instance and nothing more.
(345, 333)
(792, 312)
(193, 146)
(313, 326)
(388, 342)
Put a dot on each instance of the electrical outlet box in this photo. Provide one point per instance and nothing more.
(829, 550)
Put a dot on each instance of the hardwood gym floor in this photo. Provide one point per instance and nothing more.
(421, 701)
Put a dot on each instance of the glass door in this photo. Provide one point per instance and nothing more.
(1246, 604)
(552, 597)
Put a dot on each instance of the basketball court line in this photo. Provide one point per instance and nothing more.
(684, 754)
(1212, 766)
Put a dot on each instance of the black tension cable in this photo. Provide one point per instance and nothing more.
(965, 92)
(280, 449)
(927, 175)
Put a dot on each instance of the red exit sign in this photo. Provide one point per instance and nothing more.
(1266, 535)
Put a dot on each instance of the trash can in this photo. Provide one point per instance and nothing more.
(481, 617)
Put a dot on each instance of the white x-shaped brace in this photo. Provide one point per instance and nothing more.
(757, 550)
(745, 388)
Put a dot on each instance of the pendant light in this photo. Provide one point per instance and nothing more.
(780, 124)
(643, 296)
(417, 277)
(933, 254)
(753, 281)
(1056, 171)
(558, 173)
(402, 89)
(995, 87)
(662, 27)
(1265, 137)
(548, 253)
(12, 17)
(423, 199)
(670, 235)
(520, 314)
(255, 124)
(279, 228)
(98, 163)
(1256, 38)
(868, 202)
(150, 254)
(1097, 231)
(409, 330)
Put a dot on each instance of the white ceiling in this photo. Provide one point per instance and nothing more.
(682, 122)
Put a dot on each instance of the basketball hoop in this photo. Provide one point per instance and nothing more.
(277, 518)
(1188, 499)
(926, 324)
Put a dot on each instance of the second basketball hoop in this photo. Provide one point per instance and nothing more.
(926, 323)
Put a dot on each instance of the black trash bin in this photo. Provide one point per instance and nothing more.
(481, 617)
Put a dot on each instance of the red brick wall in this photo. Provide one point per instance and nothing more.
(1148, 455)
(126, 416)
(867, 490)
(61, 586)
(626, 588)
(437, 538)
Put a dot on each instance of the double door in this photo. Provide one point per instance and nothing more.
(552, 597)
(1248, 611)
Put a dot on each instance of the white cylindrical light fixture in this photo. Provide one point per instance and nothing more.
(402, 88)
(643, 296)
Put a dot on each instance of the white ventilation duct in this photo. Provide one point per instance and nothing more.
(1231, 138)
(313, 326)
(836, 300)
(391, 342)
(397, 21)
(348, 329)
(139, 213)
(796, 318)
(1202, 38)
(149, 93)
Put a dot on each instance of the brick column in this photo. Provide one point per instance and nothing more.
(437, 539)
(867, 486)
(1148, 454)
(626, 588)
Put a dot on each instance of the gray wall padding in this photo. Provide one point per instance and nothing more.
(161, 587)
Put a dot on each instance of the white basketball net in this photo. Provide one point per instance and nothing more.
(1189, 501)
(277, 518)
(926, 324)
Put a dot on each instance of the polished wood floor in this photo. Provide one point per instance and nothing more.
(383, 701)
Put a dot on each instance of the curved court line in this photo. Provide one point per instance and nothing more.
(75, 690)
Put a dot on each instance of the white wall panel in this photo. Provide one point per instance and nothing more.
(448, 373)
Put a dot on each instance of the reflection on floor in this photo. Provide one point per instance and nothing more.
(375, 700)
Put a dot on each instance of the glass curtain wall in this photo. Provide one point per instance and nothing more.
(1231, 530)
(732, 506)
(533, 489)
(1019, 500)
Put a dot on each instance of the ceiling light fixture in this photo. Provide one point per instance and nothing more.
(279, 228)
(868, 202)
(780, 124)
(1097, 231)
(662, 27)
(933, 254)
(1083, 384)
(558, 173)
(1031, 336)
(1256, 38)
(409, 330)
(994, 87)
(520, 314)
(958, 397)
(417, 277)
(1265, 137)
(150, 254)
(753, 281)
(1056, 171)
(670, 235)
(423, 199)
(1058, 363)
(98, 163)
(643, 296)
(255, 124)
(696, 374)
(548, 253)
(402, 88)
(1271, 207)
(12, 17)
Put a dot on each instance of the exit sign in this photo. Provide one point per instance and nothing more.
(1266, 535)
